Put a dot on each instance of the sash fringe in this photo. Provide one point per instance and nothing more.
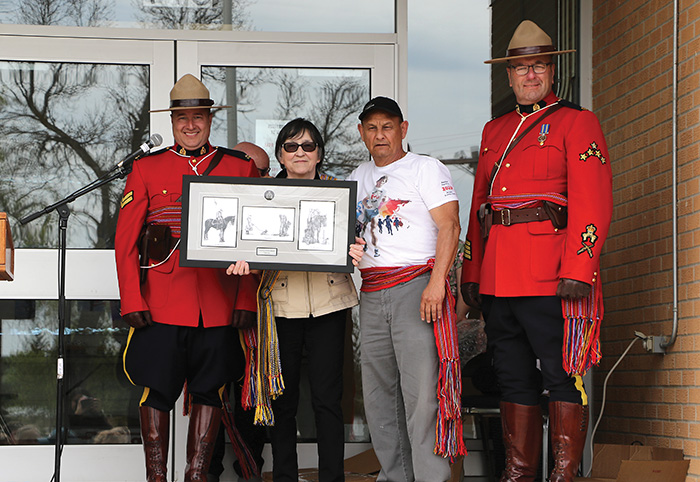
(582, 319)
(249, 466)
(263, 378)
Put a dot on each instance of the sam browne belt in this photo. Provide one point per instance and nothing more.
(549, 211)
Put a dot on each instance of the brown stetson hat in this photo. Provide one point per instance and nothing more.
(528, 40)
(190, 93)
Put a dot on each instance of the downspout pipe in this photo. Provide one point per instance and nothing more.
(668, 341)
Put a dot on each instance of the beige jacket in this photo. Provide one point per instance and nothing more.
(299, 294)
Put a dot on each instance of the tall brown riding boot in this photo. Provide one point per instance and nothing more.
(201, 437)
(155, 434)
(569, 426)
(522, 437)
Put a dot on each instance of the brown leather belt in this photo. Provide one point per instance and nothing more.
(506, 217)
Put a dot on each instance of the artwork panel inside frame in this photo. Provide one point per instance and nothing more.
(316, 225)
(219, 221)
(267, 223)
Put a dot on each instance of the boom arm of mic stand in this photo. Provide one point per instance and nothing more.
(116, 173)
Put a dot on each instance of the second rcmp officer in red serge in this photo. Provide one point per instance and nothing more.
(181, 317)
(545, 202)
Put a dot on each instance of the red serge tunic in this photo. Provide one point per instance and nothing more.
(176, 295)
(563, 154)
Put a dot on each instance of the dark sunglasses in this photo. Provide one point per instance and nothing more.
(294, 146)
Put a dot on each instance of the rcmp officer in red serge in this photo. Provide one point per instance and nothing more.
(543, 193)
(181, 317)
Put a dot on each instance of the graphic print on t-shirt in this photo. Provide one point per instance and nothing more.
(378, 212)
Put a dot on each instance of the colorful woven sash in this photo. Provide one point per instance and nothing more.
(263, 376)
(582, 318)
(168, 215)
(524, 200)
(448, 430)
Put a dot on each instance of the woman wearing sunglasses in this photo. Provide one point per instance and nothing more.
(310, 309)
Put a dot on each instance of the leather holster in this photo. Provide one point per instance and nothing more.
(557, 214)
(485, 219)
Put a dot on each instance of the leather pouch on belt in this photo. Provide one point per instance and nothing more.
(160, 241)
(557, 214)
(485, 219)
(155, 243)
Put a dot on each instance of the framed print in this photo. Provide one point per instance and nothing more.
(287, 224)
(314, 220)
(219, 220)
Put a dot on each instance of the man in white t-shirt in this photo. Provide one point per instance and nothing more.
(402, 301)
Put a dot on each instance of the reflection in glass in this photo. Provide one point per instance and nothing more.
(265, 99)
(258, 15)
(101, 405)
(63, 126)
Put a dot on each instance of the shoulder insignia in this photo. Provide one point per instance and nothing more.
(570, 105)
(128, 197)
(232, 152)
(592, 151)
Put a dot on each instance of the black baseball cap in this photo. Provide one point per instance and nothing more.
(382, 103)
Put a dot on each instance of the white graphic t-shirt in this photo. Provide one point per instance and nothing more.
(393, 209)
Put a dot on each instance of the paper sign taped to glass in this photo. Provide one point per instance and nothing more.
(286, 224)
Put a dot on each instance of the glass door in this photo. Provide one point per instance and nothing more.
(70, 109)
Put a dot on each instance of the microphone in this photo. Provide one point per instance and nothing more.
(154, 141)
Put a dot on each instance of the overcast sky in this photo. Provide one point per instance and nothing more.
(448, 82)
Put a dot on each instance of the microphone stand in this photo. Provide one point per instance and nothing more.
(117, 172)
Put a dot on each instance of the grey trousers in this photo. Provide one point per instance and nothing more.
(399, 383)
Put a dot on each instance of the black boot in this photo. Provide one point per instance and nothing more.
(155, 434)
(569, 425)
(522, 437)
(201, 437)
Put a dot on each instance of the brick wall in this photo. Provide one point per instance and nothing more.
(654, 399)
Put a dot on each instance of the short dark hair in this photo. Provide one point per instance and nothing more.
(296, 127)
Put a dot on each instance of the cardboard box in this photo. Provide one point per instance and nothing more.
(634, 463)
(363, 463)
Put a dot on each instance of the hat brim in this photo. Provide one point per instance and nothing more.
(506, 59)
(193, 107)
